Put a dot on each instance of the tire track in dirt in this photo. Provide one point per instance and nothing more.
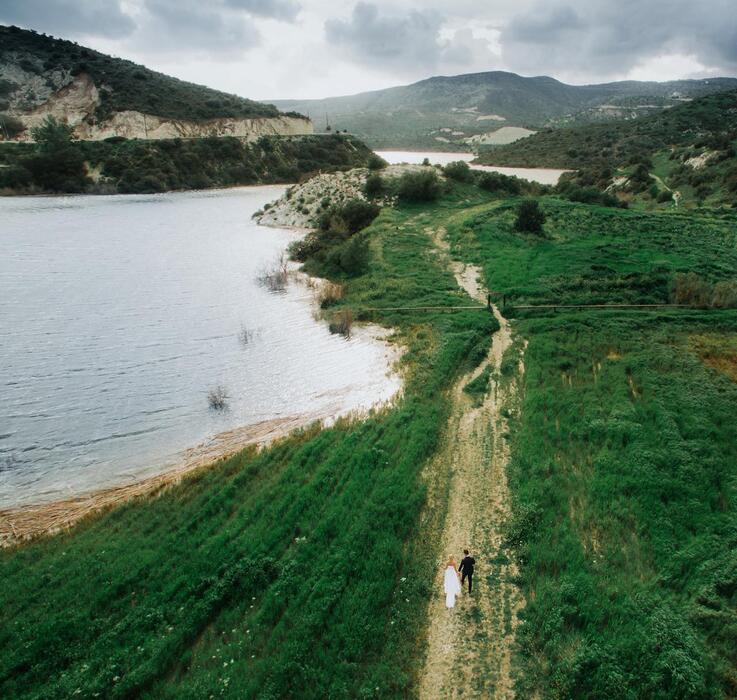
(469, 648)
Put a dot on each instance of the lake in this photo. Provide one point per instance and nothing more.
(545, 176)
(118, 314)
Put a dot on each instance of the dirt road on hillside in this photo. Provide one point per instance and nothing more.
(469, 647)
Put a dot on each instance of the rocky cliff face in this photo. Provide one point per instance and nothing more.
(75, 99)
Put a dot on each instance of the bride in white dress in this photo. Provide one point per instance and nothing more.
(452, 584)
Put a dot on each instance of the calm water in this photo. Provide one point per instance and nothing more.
(119, 313)
(545, 176)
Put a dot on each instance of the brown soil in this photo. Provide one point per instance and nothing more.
(469, 648)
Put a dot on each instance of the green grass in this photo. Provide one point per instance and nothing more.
(300, 571)
(592, 254)
(305, 570)
(623, 461)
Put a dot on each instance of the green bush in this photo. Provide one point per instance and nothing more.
(374, 186)
(422, 186)
(354, 256)
(458, 170)
(376, 162)
(496, 182)
(589, 195)
(530, 217)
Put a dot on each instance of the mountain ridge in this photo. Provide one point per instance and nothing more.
(448, 111)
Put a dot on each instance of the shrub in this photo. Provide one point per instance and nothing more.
(342, 221)
(342, 323)
(691, 289)
(724, 295)
(354, 256)
(52, 134)
(458, 170)
(496, 182)
(217, 398)
(665, 196)
(589, 195)
(358, 214)
(374, 186)
(529, 217)
(330, 294)
(423, 186)
(376, 162)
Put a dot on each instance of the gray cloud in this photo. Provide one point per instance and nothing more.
(409, 43)
(68, 17)
(286, 10)
(389, 41)
(368, 44)
(608, 39)
(191, 26)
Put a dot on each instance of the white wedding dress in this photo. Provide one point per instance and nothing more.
(452, 587)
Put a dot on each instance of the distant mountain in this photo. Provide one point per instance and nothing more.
(103, 96)
(447, 112)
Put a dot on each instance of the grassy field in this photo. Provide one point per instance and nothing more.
(302, 571)
(623, 454)
(305, 570)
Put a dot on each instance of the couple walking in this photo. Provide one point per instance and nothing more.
(452, 584)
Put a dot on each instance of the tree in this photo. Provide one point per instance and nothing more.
(58, 163)
(529, 216)
(52, 135)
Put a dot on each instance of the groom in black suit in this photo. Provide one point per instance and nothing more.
(466, 569)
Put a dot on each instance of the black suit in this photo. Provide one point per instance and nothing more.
(466, 569)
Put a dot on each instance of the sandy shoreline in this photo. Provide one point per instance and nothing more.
(26, 522)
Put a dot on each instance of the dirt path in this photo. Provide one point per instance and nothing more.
(469, 647)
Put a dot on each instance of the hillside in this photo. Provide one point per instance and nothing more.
(134, 166)
(102, 96)
(445, 112)
(689, 149)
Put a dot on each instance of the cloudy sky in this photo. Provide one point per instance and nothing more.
(316, 48)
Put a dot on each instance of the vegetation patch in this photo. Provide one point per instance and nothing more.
(622, 470)
(124, 85)
(57, 164)
(718, 351)
(295, 571)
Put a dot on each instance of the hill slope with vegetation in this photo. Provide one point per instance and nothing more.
(690, 148)
(306, 569)
(37, 70)
(56, 164)
(447, 112)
